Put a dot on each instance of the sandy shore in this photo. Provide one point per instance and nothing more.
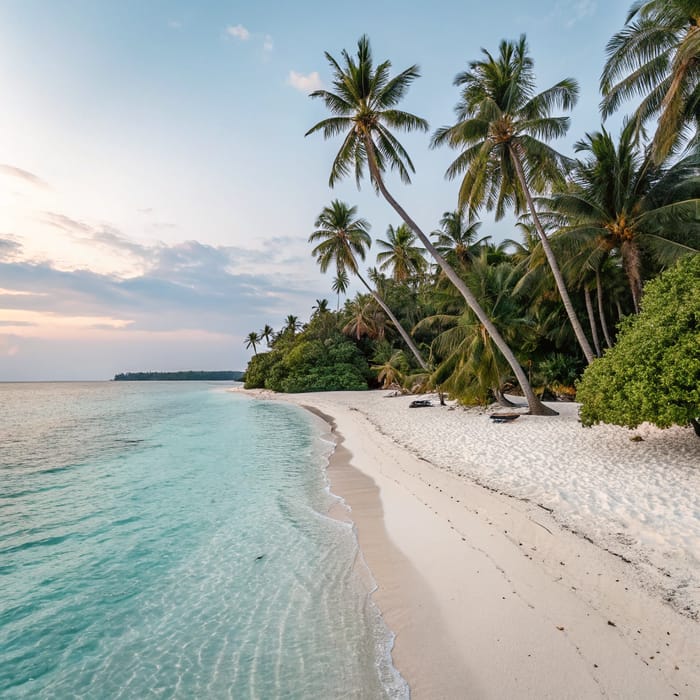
(527, 560)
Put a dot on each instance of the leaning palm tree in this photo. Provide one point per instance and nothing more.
(500, 121)
(363, 105)
(400, 255)
(252, 340)
(342, 238)
(618, 201)
(657, 57)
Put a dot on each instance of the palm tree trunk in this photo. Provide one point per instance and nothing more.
(537, 408)
(601, 309)
(632, 265)
(406, 337)
(551, 259)
(591, 319)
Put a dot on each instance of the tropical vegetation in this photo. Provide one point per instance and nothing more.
(602, 270)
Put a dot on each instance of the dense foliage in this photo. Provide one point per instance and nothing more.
(653, 372)
(320, 358)
(480, 319)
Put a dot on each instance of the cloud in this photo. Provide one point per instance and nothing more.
(10, 249)
(305, 83)
(239, 32)
(24, 175)
(268, 44)
(576, 10)
(174, 24)
(65, 223)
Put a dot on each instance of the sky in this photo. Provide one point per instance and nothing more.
(156, 188)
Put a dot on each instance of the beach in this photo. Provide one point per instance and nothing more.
(529, 559)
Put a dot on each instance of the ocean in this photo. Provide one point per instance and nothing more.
(171, 540)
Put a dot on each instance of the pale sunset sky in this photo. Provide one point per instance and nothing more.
(156, 188)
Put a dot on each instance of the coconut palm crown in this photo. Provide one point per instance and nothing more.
(363, 102)
(400, 255)
(656, 56)
(501, 119)
(341, 237)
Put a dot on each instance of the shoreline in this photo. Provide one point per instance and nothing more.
(489, 595)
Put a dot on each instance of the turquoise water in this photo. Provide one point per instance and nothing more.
(169, 540)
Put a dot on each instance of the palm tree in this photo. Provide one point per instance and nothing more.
(619, 201)
(320, 307)
(469, 366)
(360, 313)
(657, 56)
(500, 123)
(456, 238)
(252, 339)
(343, 239)
(267, 333)
(400, 255)
(390, 369)
(340, 285)
(292, 324)
(364, 108)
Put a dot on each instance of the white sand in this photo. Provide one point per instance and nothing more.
(493, 596)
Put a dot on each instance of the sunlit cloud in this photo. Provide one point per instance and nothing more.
(174, 24)
(25, 175)
(268, 44)
(239, 32)
(304, 83)
(65, 223)
(46, 321)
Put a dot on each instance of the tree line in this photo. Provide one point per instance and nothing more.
(452, 311)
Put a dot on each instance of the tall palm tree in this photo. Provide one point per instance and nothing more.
(657, 57)
(267, 333)
(363, 105)
(500, 121)
(400, 255)
(619, 201)
(341, 240)
(252, 339)
(456, 238)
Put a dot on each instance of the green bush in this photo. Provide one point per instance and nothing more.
(653, 372)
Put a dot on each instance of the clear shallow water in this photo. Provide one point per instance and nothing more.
(169, 540)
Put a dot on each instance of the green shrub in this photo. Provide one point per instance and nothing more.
(653, 372)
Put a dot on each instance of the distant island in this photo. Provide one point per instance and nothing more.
(188, 375)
